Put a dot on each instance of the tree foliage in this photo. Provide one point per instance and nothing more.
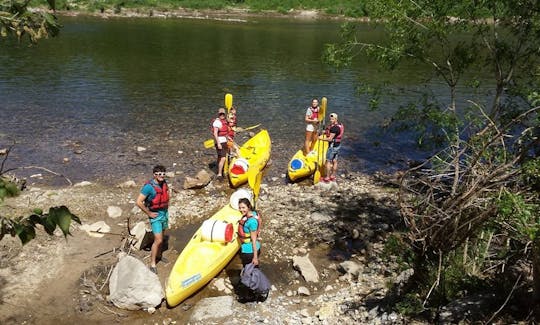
(17, 21)
(473, 206)
(25, 227)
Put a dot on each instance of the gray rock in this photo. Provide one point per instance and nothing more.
(303, 291)
(202, 179)
(133, 286)
(352, 268)
(306, 268)
(114, 211)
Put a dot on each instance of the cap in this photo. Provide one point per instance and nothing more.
(221, 111)
(333, 115)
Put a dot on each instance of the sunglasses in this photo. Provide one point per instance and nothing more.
(162, 174)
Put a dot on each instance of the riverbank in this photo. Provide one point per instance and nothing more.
(53, 280)
(228, 14)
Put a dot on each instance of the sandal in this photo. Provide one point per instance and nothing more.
(325, 179)
(153, 269)
(332, 178)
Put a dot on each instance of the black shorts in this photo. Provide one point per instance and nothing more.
(223, 151)
(248, 257)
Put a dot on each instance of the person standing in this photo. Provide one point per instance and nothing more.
(220, 129)
(154, 201)
(248, 233)
(334, 135)
(312, 122)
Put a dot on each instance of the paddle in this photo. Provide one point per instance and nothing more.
(228, 105)
(320, 157)
(210, 142)
(228, 102)
(254, 181)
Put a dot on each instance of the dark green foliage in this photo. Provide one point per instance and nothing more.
(25, 228)
(17, 21)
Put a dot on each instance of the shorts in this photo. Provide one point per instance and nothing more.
(160, 223)
(223, 152)
(310, 127)
(248, 257)
(332, 153)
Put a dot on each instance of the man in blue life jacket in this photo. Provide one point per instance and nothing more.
(154, 201)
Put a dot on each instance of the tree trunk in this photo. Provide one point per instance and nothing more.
(536, 274)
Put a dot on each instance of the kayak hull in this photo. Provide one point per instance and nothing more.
(201, 260)
(302, 166)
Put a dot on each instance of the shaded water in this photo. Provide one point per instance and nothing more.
(105, 87)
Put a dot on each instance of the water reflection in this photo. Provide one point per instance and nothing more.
(113, 85)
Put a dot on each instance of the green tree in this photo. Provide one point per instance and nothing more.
(17, 21)
(477, 183)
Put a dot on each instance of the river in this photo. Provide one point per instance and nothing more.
(82, 103)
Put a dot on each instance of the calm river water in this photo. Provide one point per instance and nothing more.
(82, 103)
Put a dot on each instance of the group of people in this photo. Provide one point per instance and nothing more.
(153, 198)
(223, 131)
(333, 134)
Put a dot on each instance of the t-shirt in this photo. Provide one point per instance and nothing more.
(250, 225)
(336, 130)
(217, 124)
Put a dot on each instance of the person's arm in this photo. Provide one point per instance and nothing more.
(216, 136)
(140, 204)
(253, 234)
(329, 138)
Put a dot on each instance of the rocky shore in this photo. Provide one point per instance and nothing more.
(339, 228)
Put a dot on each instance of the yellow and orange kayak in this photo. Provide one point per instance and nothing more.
(254, 154)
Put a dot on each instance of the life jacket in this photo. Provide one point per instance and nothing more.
(230, 132)
(161, 200)
(336, 141)
(232, 118)
(223, 131)
(314, 112)
(245, 237)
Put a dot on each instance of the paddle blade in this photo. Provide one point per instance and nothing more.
(228, 101)
(209, 143)
(317, 175)
(252, 177)
(322, 112)
(257, 186)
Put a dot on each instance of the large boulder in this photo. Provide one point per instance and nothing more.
(202, 179)
(133, 286)
(306, 268)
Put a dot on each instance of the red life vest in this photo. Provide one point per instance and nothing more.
(230, 132)
(161, 200)
(223, 131)
(232, 118)
(245, 237)
(336, 141)
(314, 112)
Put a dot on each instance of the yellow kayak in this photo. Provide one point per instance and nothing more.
(302, 166)
(206, 254)
(254, 154)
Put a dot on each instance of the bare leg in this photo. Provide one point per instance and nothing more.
(221, 163)
(328, 168)
(156, 246)
(334, 168)
(314, 136)
(307, 143)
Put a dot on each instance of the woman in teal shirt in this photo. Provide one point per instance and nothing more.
(248, 230)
